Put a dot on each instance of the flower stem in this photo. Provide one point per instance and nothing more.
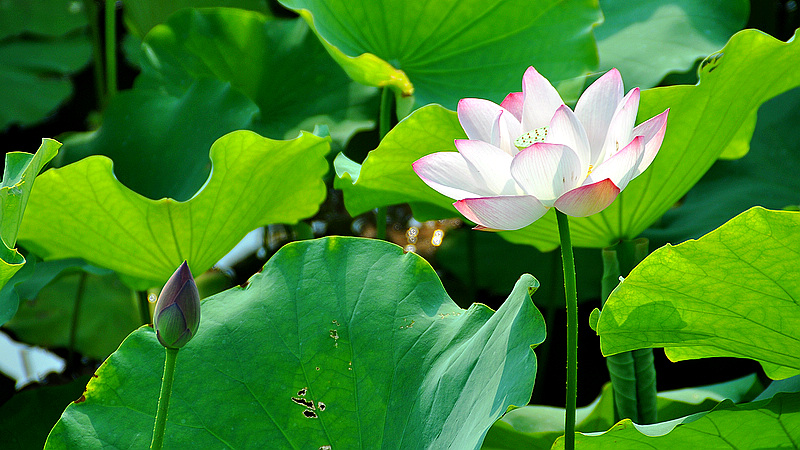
(384, 125)
(163, 399)
(572, 329)
(111, 48)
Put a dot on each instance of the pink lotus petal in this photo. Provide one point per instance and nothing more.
(589, 199)
(547, 170)
(449, 174)
(478, 118)
(622, 167)
(566, 129)
(596, 107)
(491, 165)
(621, 127)
(653, 131)
(540, 100)
(502, 213)
(513, 103)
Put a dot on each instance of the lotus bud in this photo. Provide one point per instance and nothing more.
(177, 312)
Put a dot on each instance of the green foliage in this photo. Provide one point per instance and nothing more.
(646, 40)
(19, 173)
(42, 42)
(704, 120)
(732, 293)
(537, 427)
(258, 56)
(442, 51)
(254, 181)
(142, 15)
(338, 341)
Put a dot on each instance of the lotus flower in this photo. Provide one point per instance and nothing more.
(532, 152)
(176, 316)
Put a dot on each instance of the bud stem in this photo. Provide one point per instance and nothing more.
(163, 399)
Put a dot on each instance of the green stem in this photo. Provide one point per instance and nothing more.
(97, 51)
(163, 399)
(144, 307)
(73, 330)
(632, 374)
(384, 125)
(572, 328)
(111, 48)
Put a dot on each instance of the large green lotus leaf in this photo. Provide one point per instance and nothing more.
(732, 292)
(19, 172)
(766, 176)
(445, 50)
(773, 423)
(704, 119)
(149, 134)
(256, 55)
(27, 417)
(107, 313)
(142, 15)
(33, 76)
(537, 426)
(81, 210)
(340, 342)
(646, 40)
(51, 18)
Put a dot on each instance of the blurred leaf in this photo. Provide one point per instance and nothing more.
(107, 314)
(703, 120)
(766, 177)
(50, 18)
(149, 134)
(254, 181)
(445, 50)
(343, 342)
(33, 76)
(731, 293)
(278, 64)
(646, 40)
(142, 15)
(537, 427)
(19, 173)
(773, 423)
(26, 419)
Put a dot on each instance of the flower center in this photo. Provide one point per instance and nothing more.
(531, 137)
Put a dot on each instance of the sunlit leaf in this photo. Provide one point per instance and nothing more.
(445, 50)
(19, 173)
(734, 292)
(142, 15)
(646, 40)
(279, 64)
(773, 423)
(339, 342)
(81, 210)
(537, 427)
(703, 120)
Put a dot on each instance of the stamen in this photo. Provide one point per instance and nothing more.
(590, 170)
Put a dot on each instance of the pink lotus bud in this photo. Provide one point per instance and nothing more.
(177, 312)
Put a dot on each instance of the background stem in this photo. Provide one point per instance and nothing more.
(163, 399)
(384, 125)
(111, 48)
(572, 328)
(73, 330)
(144, 306)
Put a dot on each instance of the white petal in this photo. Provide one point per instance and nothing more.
(502, 213)
(504, 132)
(589, 199)
(620, 130)
(547, 170)
(540, 100)
(596, 107)
(450, 174)
(490, 164)
(653, 131)
(622, 167)
(478, 118)
(566, 129)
